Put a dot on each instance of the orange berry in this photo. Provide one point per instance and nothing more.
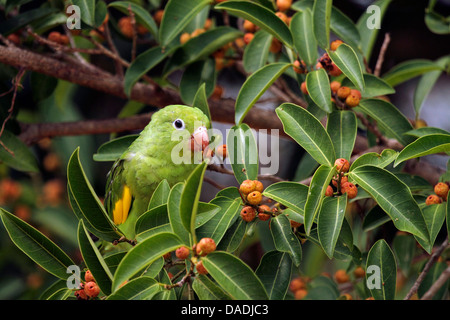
(222, 152)
(126, 27)
(303, 88)
(197, 32)
(23, 212)
(258, 186)
(282, 16)
(284, 5)
(359, 272)
(300, 294)
(81, 295)
(91, 289)
(335, 44)
(334, 71)
(185, 38)
(262, 215)
(352, 101)
(350, 189)
(247, 186)
(341, 276)
(158, 16)
(356, 93)
(249, 26)
(248, 37)
(182, 253)
(54, 36)
(275, 46)
(208, 24)
(254, 198)
(334, 86)
(88, 276)
(200, 268)
(441, 190)
(239, 42)
(14, 38)
(329, 191)
(295, 224)
(348, 296)
(319, 66)
(342, 165)
(299, 66)
(205, 246)
(343, 92)
(248, 213)
(297, 284)
(433, 199)
(344, 179)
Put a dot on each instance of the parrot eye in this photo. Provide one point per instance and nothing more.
(178, 124)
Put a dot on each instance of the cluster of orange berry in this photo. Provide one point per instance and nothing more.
(251, 192)
(89, 289)
(185, 37)
(340, 181)
(298, 286)
(59, 38)
(201, 249)
(125, 25)
(441, 192)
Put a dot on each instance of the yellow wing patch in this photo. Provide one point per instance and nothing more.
(122, 206)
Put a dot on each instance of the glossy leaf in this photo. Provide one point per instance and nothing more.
(424, 131)
(173, 209)
(381, 256)
(142, 288)
(94, 260)
(243, 152)
(190, 197)
(393, 196)
(434, 218)
(21, 20)
(257, 51)
(112, 150)
(375, 218)
(318, 86)
(321, 22)
(374, 86)
(143, 254)
(409, 69)
(18, 156)
(342, 128)
(160, 195)
(275, 271)
(196, 74)
(290, 194)
(319, 182)
(304, 41)
(437, 23)
(201, 101)
(255, 86)
(347, 61)
(234, 236)
(329, 222)
(429, 144)
(206, 289)
(142, 16)
(85, 202)
(388, 118)
(154, 217)
(308, 132)
(177, 14)
(261, 16)
(234, 276)
(284, 239)
(380, 160)
(344, 28)
(414, 182)
(37, 246)
(87, 10)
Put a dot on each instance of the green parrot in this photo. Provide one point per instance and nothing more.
(150, 159)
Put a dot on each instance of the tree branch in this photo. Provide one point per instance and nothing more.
(445, 275)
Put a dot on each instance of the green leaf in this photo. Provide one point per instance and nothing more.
(143, 254)
(86, 204)
(261, 16)
(374, 86)
(347, 61)
(257, 51)
(200, 47)
(101, 10)
(154, 217)
(234, 236)
(216, 227)
(393, 196)
(201, 101)
(21, 20)
(322, 288)
(318, 86)
(160, 195)
(142, 16)
(319, 183)
(234, 276)
(284, 239)
(87, 10)
(375, 218)
(94, 260)
(414, 183)
(404, 246)
(409, 69)
(321, 22)
(308, 132)
(381, 256)
(290, 194)
(372, 158)
(429, 144)
(388, 118)
(112, 150)
(18, 156)
(189, 198)
(329, 222)
(206, 289)
(368, 26)
(254, 87)
(344, 28)
(206, 211)
(304, 40)
(434, 218)
(342, 128)
(177, 15)
(426, 83)
(437, 23)
(173, 209)
(142, 288)
(424, 131)
(243, 152)
(35, 245)
(196, 74)
(433, 274)
(275, 270)
(143, 63)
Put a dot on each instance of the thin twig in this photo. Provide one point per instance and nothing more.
(445, 275)
(135, 33)
(426, 269)
(384, 46)
(109, 40)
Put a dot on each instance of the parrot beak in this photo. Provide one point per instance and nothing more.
(200, 139)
